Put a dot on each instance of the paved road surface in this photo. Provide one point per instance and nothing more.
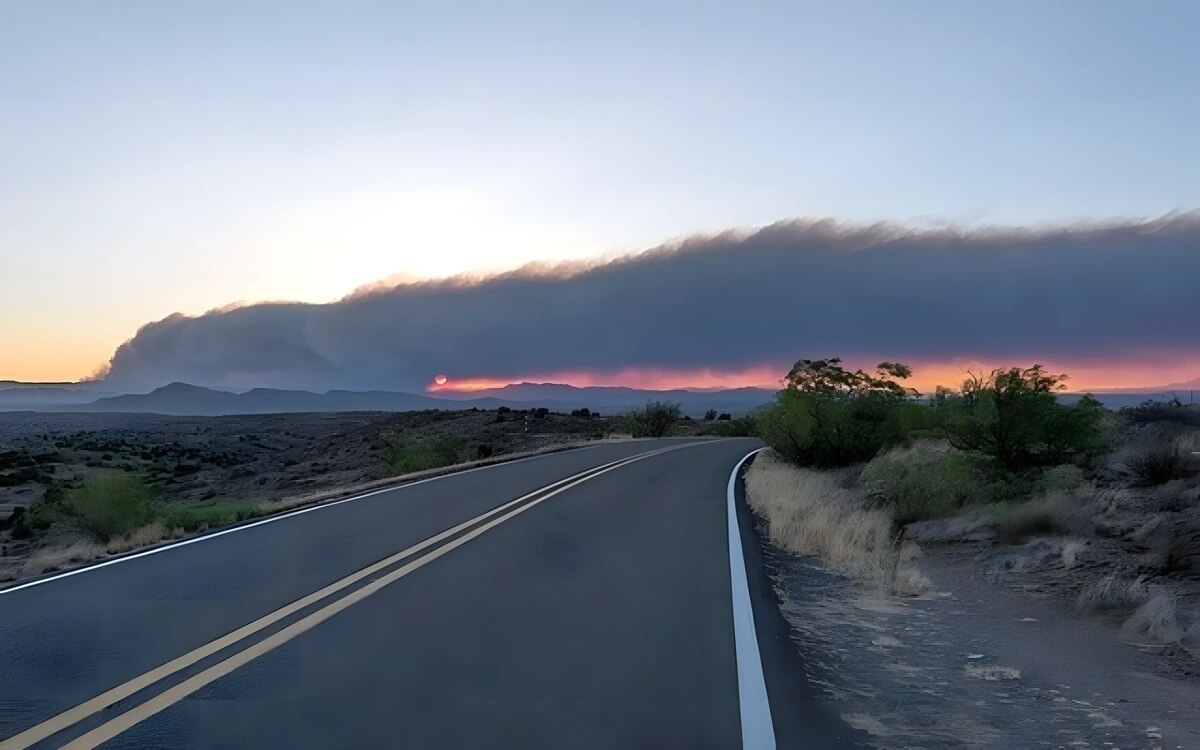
(564, 601)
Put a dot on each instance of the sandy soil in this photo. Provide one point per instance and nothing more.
(977, 664)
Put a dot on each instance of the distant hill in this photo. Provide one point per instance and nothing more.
(192, 400)
(21, 397)
(184, 399)
(617, 397)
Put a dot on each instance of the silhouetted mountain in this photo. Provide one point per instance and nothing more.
(185, 399)
(191, 400)
(21, 397)
(618, 397)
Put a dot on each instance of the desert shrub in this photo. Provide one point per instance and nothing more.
(653, 420)
(110, 505)
(743, 427)
(1014, 414)
(827, 416)
(1172, 410)
(925, 481)
(51, 509)
(1030, 520)
(1182, 550)
(219, 511)
(404, 455)
(1114, 592)
(1158, 464)
(1061, 478)
(1161, 454)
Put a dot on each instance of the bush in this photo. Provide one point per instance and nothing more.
(1014, 415)
(827, 417)
(1028, 521)
(654, 420)
(1158, 464)
(927, 481)
(110, 505)
(1162, 411)
(206, 514)
(710, 415)
(744, 427)
(404, 456)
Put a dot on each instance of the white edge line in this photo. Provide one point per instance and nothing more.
(758, 732)
(270, 519)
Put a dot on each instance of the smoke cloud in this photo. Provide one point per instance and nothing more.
(790, 290)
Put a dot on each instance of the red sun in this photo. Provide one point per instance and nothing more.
(440, 379)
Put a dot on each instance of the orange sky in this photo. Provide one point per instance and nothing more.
(1094, 376)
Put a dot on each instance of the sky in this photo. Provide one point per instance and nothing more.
(164, 158)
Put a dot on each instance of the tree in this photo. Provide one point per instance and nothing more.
(725, 417)
(710, 415)
(654, 420)
(828, 416)
(1014, 415)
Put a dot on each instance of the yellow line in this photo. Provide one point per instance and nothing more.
(120, 692)
(174, 694)
(109, 697)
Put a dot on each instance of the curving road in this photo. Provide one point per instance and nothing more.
(597, 598)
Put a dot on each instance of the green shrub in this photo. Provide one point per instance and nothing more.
(926, 481)
(1014, 414)
(654, 420)
(744, 427)
(827, 416)
(220, 511)
(110, 505)
(404, 456)
(1061, 478)
(1172, 410)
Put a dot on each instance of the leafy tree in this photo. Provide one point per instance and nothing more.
(654, 420)
(828, 416)
(725, 417)
(1014, 415)
(710, 415)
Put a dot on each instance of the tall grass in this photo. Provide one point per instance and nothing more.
(406, 455)
(811, 513)
(109, 505)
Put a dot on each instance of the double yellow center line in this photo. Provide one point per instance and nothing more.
(473, 528)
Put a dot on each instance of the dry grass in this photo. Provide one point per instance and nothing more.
(811, 513)
(1114, 592)
(1156, 620)
(146, 535)
(47, 559)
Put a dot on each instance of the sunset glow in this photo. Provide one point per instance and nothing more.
(1083, 376)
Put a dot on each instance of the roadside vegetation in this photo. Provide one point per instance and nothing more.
(77, 487)
(1101, 507)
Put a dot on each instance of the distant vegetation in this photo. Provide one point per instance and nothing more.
(654, 420)
(863, 468)
(115, 504)
(407, 455)
(998, 433)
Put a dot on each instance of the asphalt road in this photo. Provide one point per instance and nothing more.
(564, 601)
